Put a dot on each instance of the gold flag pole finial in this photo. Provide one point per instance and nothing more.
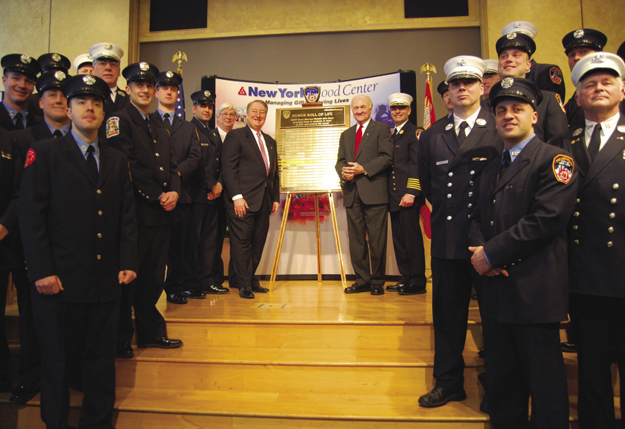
(428, 68)
(179, 56)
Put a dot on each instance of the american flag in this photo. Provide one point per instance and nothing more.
(180, 103)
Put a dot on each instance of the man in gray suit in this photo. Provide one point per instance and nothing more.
(365, 154)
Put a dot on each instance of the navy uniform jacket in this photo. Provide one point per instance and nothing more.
(575, 114)
(552, 120)
(82, 231)
(447, 177)
(110, 107)
(404, 174)
(26, 138)
(10, 173)
(521, 221)
(548, 77)
(209, 171)
(597, 234)
(244, 171)
(185, 143)
(375, 154)
(152, 162)
(7, 123)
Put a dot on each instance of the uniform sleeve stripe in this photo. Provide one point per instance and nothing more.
(414, 184)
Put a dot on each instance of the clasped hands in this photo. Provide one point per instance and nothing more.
(481, 265)
(354, 169)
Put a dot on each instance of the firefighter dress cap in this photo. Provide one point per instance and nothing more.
(464, 67)
(106, 50)
(81, 60)
(492, 67)
(202, 97)
(523, 27)
(522, 89)
(517, 41)
(85, 84)
(399, 99)
(21, 63)
(169, 78)
(603, 61)
(54, 62)
(52, 80)
(584, 37)
(140, 72)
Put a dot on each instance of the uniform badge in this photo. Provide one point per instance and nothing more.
(26, 59)
(556, 75)
(89, 57)
(6, 155)
(88, 79)
(517, 25)
(144, 66)
(462, 62)
(112, 127)
(108, 46)
(59, 75)
(577, 132)
(563, 168)
(481, 122)
(169, 74)
(507, 82)
(578, 33)
(401, 131)
(207, 93)
(621, 128)
(30, 157)
(449, 127)
(511, 36)
(598, 58)
(56, 57)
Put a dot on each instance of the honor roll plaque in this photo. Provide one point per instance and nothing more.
(308, 144)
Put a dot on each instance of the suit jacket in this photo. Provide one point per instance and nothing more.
(244, 170)
(185, 142)
(153, 166)
(597, 229)
(25, 138)
(552, 120)
(10, 173)
(209, 171)
(548, 77)
(520, 219)
(84, 232)
(404, 173)
(447, 173)
(7, 123)
(375, 154)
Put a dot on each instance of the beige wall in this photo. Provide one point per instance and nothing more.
(74, 26)
(554, 19)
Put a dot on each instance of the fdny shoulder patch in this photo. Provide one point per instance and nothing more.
(556, 75)
(112, 127)
(30, 157)
(563, 168)
(559, 99)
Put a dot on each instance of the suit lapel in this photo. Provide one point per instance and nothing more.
(615, 146)
(105, 162)
(75, 156)
(176, 124)
(366, 133)
(254, 145)
(41, 132)
(577, 147)
(477, 132)
(138, 119)
(520, 162)
(449, 136)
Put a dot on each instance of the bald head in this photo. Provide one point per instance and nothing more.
(361, 108)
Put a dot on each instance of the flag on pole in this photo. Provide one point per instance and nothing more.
(180, 56)
(429, 117)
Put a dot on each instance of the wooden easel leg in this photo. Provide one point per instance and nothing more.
(337, 239)
(276, 258)
(317, 229)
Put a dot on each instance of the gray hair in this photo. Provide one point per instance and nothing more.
(226, 106)
(256, 101)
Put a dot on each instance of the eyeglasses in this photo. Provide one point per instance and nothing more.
(104, 61)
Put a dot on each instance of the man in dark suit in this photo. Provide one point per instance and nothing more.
(20, 74)
(443, 90)
(79, 231)
(10, 168)
(156, 185)
(577, 44)
(185, 143)
(206, 237)
(597, 274)
(56, 124)
(405, 200)
(106, 65)
(518, 240)
(548, 77)
(250, 173)
(452, 153)
(514, 51)
(365, 155)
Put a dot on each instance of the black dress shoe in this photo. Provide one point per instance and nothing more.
(439, 396)
(124, 351)
(480, 353)
(24, 392)
(174, 298)
(259, 289)
(412, 289)
(193, 294)
(377, 289)
(215, 289)
(356, 288)
(395, 287)
(246, 293)
(161, 343)
(569, 347)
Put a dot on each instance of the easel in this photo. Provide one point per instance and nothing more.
(335, 228)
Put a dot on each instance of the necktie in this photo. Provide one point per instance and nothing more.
(167, 122)
(19, 121)
(57, 133)
(396, 135)
(92, 164)
(505, 162)
(262, 152)
(358, 139)
(462, 135)
(595, 142)
(147, 122)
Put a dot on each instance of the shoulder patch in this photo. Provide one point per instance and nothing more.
(30, 157)
(563, 167)
(112, 127)
(559, 99)
(418, 133)
(556, 75)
